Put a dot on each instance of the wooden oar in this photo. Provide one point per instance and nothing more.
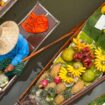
(53, 43)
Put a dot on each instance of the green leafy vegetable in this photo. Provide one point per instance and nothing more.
(52, 92)
(97, 35)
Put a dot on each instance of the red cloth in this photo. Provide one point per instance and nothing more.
(35, 24)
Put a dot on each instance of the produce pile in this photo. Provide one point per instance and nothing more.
(3, 80)
(35, 23)
(3, 2)
(99, 101)
(75, 68)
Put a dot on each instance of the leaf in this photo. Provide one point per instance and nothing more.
(85, 37)
(89, 28)
(52, 92)
(50, 79)
(43, 94)
(67, 94)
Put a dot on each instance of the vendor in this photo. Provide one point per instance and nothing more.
(12, 44)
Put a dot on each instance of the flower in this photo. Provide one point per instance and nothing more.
(99, 60)
(80, 45)
(65, 75)
(76, 71)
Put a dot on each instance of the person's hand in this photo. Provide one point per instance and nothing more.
(9, 68)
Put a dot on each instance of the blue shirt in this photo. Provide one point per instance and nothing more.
(20, 51)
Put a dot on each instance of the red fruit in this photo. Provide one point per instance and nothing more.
(87, 62)
(78, 56)
(57, 80)
(86, 49)
(44, 83)
(86, 54)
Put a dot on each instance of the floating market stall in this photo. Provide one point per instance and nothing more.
(5, 5)
(35, 27)
(76, 68)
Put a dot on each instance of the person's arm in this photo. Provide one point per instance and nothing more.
(23, 51)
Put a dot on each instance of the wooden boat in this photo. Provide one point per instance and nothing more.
(69, 101)
(32, 39)
(6, 7)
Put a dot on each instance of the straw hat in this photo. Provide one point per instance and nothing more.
(9, 32)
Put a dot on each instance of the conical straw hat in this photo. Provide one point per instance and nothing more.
(9, 32)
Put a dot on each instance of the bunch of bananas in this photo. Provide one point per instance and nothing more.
(100, 60)
(65, 75)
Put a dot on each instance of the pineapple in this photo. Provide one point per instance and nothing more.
(59, 99)
(55, 70)
(77, 87)
(67, 93)
(60, 88)
(51, 85)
